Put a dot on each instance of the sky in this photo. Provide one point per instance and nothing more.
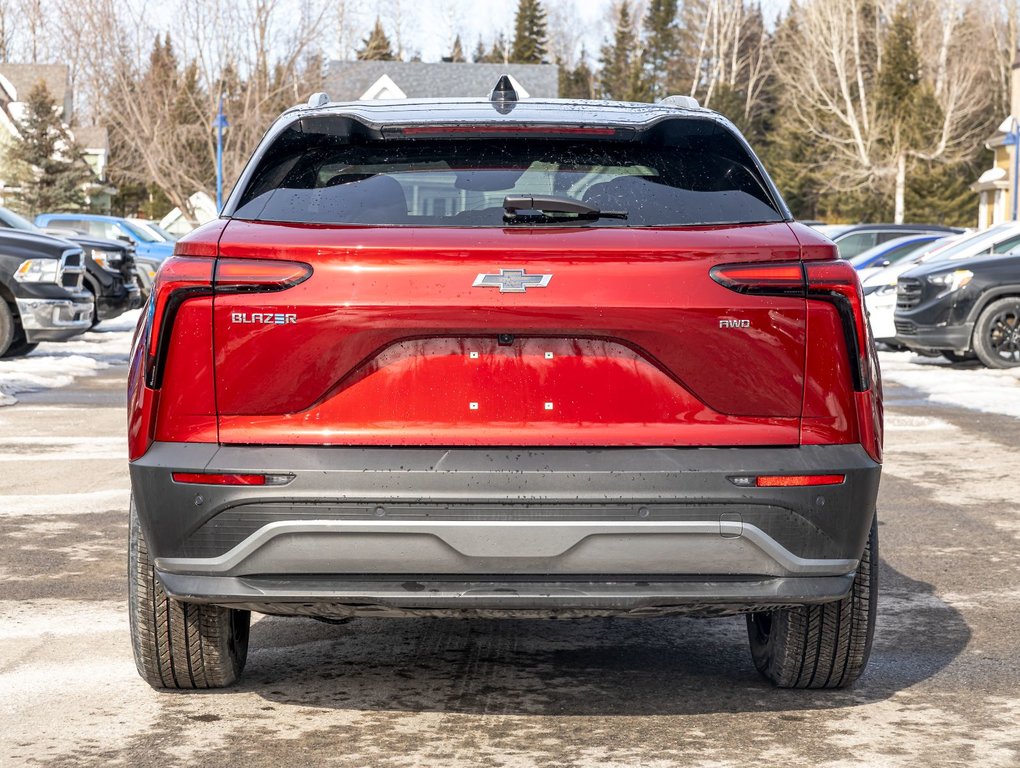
(426, 24)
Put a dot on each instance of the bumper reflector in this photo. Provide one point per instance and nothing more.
(787, 481)
(208, 478)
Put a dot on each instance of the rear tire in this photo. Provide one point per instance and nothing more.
(6, 326)
(180, 645)
(820, 646)
(997, 334)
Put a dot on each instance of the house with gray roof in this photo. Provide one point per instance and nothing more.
(16, 82)
(367, 80)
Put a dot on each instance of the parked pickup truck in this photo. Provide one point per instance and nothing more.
(109, 267)
(501, 357)
(41, 287)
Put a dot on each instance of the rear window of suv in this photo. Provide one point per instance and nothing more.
(334, 171)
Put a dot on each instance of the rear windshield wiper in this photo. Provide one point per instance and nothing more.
(551, 204)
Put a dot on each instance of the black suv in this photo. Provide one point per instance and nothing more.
(109, 267)
(963, 309)
(42, 297)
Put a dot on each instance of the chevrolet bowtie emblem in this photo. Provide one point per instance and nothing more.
(511, 281)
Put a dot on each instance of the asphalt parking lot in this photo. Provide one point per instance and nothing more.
(943, 687)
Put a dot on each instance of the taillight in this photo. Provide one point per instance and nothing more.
(179, 278)
(761, 279)
(835, 282)
(258, 276)
(188, 277)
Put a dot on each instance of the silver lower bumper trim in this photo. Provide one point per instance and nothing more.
(711, 547)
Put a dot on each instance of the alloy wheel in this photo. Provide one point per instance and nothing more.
(1004, 335)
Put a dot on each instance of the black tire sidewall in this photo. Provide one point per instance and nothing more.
(6, 326)
(981, 330)
(773, 635)
(222, 632)
(19, 349)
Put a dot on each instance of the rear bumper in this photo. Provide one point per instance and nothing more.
(338, 598)
(553, 530)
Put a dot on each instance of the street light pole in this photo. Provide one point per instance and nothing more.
(221, 122)
(1015, 136)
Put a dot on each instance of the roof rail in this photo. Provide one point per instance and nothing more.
(317, 100)
(683, 102)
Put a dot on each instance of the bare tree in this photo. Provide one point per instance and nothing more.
(727, 47)
(397, 12)
(7, 15)
(34, 18)
(1005, 30)
(827, 63)
(259, 56)
(346, 18)
(565, 34)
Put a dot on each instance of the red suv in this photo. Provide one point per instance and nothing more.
(501, 357)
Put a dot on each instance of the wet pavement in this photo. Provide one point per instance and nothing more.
(943, 686)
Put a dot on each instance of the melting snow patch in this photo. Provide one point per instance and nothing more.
(64, 503)
(897, 420)
(54, 365)
(978, 389)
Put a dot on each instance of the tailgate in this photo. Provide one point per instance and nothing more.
(500, 336)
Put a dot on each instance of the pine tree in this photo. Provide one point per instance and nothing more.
(47, 166)
(497, 53)
(457, 54)
(377, 46)
(904, 103)
(478, 57)
(900, 77)
(530, 35)
(661, 47)
(579, 82)
(788, 150)
(622, 77)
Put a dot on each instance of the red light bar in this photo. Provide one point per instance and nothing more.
(551, 130)
(204, 478)
(762, 279)
(790, 481)
(259, 274)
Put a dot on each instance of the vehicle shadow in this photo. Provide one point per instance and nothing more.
(595, 667)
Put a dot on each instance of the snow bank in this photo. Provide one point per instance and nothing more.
(54, 365)
(968, 385)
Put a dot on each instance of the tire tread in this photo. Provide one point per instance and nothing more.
(821, 646)
(176, 644)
